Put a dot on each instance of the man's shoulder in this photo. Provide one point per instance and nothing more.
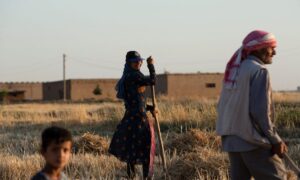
(254, 61)
(253, 65)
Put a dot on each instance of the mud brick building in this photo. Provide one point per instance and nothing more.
(80, 89)
(206, 85)
(18, 91)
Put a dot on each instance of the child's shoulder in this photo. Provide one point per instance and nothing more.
(63, 176)
(42, 176)
(39, 176)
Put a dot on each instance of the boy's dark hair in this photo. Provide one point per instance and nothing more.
(55, 134)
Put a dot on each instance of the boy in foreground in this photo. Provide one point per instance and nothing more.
(56, 150)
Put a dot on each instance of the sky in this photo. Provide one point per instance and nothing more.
(183, 36)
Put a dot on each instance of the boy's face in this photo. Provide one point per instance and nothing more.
(58, 155)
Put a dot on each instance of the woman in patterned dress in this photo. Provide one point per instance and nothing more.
(133, 141)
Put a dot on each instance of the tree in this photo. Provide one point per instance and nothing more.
(97, 90)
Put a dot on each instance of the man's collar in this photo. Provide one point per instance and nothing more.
(255, 59)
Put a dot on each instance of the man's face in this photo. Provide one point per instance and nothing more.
(136, 65)
(58, 155)
(267, 55)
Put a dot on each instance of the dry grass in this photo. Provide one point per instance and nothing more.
(286, 96)
(81, 166)
(91, 143)
(203, 163)
(192, 148)
(191, 140)
(197, 155)
(47, 113)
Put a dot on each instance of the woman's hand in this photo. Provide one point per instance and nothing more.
(153, 111)
(280, 149)
(150, 60)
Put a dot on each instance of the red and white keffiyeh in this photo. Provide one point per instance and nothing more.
(253, 41)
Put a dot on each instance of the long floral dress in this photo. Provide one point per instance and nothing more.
(133, 140)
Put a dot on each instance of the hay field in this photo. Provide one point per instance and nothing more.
(193, 150)
(286, 96)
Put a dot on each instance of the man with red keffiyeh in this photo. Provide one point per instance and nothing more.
(246, 114)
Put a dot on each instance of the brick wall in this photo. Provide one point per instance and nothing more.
(33, 91)
(83, 89)
(206, 85)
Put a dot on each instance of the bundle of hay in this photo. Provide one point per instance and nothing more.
(201, 164)
(197, 156)
(291, 175)
(91, 143)
(191, 140)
